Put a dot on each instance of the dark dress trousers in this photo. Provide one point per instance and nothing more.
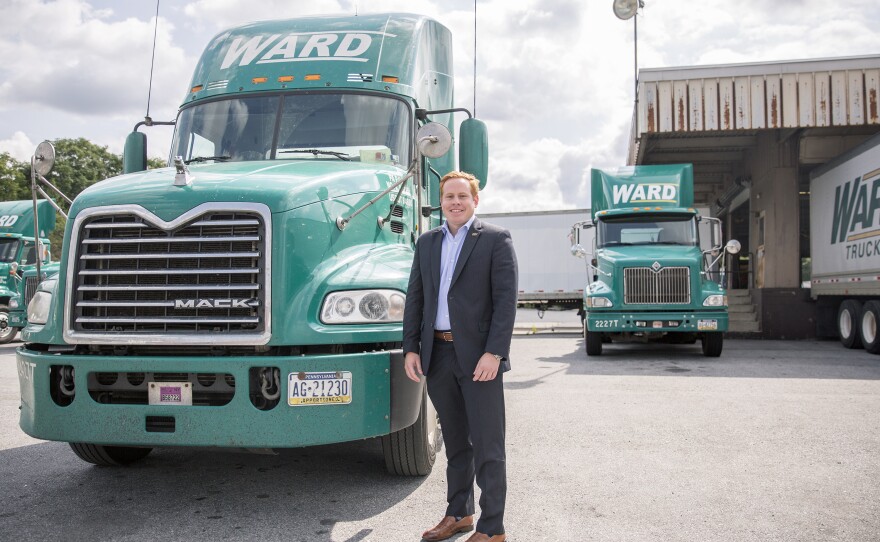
(482, 310)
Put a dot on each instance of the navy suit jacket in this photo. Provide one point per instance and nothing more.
(482, 296)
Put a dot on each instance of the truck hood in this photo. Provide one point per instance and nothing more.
(645, 255)
(281, 185)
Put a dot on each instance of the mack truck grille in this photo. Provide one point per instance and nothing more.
(201, 275)
(30, 288)
(670, 285)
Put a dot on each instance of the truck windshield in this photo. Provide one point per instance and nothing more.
(647, 230)
(314, 126)
(8, 249)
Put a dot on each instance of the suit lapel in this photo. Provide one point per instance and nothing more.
(467, 248)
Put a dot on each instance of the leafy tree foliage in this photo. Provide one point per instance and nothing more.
(14, 184)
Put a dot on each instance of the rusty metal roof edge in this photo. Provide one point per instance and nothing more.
(759, 68)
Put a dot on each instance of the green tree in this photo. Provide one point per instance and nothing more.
(14, 184)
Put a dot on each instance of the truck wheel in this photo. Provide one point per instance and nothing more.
(8, 332)
(868, 326)
(412, 451)
(848, 317)
(713, 341)
(108, 456)
(593, 342)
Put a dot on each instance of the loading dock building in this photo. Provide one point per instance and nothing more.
(754, 132)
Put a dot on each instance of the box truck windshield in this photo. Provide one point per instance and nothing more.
(8, 249)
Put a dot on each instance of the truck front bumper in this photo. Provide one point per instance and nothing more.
(671, 322)
(382, 400)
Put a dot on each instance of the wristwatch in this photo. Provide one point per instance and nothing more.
(498, 357)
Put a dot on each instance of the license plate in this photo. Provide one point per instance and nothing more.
(319, 388)
(707, 325)
(171, 393)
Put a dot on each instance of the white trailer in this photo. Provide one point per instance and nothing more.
(549, 277)
(845, 243)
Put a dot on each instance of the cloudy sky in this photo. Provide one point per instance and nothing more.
(554, 77)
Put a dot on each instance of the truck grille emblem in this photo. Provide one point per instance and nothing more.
(214, 303)
(656, 266)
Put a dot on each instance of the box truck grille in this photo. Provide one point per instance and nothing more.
(206, 276)
(671, 285)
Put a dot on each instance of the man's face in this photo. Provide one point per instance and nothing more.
(457, 202)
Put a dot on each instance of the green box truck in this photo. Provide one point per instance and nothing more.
(649, 280)
(251, 296)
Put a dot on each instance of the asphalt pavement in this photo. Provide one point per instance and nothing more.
(775, 440)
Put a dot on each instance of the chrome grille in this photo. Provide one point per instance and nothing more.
(30, 288)
(203, 275)
(670, 285)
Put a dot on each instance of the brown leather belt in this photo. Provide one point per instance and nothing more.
(443, 336)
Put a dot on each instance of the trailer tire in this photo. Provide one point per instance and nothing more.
(108, 456)
(413, 450)
(713, 342)
(868, 323)
(592, 342)
(848, 318)
(8, 332)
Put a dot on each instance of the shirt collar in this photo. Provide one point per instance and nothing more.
(466, 226)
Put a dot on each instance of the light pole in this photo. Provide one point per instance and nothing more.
(629, 9)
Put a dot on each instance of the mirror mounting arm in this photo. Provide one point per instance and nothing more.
(422, 114)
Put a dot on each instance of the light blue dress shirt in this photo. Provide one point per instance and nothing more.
(450, 250)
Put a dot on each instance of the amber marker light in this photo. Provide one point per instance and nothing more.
(197, 88)
(313, 77)
(285, 79)
(258, 80)
(390, 79)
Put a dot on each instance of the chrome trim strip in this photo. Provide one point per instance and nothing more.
(74, 337)
(181, 320)
(172, 255)
(137, 240)
(139, 304)
(201, 271)
(163, 287)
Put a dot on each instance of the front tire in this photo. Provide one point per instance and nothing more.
(713, 341)
(413, 450)
(8, 332)
(108, 456)
(848, 317)
(868, 323)
(592, 341)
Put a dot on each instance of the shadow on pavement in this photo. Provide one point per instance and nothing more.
(739, 359)
(196, 494)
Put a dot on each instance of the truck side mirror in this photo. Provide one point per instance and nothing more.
(134, 155)
(473, 149)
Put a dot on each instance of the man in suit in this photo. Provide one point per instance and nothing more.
(457, 329)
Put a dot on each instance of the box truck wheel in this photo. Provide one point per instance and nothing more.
(847, 323)
(412, 450)
(868, 326)
(7, 333)
(108, 456)
(593, 342)
(713, 341)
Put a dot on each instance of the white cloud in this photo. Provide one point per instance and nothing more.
(19, 146)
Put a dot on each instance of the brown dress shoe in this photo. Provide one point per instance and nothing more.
(480, 537)
(448, 527)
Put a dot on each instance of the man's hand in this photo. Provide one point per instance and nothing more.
(487, 368)
(412, 364)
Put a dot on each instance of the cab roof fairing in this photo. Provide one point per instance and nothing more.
(347, 52)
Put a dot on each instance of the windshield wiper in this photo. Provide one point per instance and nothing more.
(316, 152)
(206, 158)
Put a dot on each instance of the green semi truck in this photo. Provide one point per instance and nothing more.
(251, 295)
(648, 278)
(19, 253)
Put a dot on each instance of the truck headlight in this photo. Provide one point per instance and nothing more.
(363, 307)
(38, 308)
(599, 302)
(13, 303)
(715, 300)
